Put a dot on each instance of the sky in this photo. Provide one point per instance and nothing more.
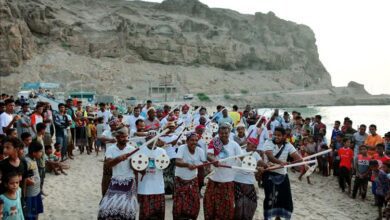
(353, 36)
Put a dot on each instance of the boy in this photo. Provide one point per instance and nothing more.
(379, 155)
(336, 158)
(382, 187)
(12, 163)
(362, 163)
(346, 156)
(41, 130)
(26, 139)
(52, 161)
(33, 190)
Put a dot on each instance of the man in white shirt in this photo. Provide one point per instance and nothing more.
(170, 140)
(220, 187)
(151, 195)
(106, 114)
(7, 119)
(186, 179)
(245, 197)
(133, 118)
(185, 116)
(278, 199)
(120, 201)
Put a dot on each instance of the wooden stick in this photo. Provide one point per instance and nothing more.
(237, 168)
(225, 159)
(291, 165)
(317, 154)
(215, 115)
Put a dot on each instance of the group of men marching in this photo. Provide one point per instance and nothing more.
(180, 136)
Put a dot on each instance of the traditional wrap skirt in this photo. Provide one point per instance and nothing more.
(278, 200)
(169, 178)
(218, 202)
(120, 200)
(186, 199)
(106, 178)
(81, 136)
(151, 206)
(201, 175)
(245, 199)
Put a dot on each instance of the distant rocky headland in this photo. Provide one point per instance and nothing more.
(125, 48)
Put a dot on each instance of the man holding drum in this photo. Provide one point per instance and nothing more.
(186, 198)
(219, 197)
(120, 200)
(151, 183)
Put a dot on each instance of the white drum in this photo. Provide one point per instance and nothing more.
(249, 162)
(162, 161)
(207, 137)
(214, 127)
(139, 162)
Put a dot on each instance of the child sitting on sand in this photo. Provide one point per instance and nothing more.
(57, 151)
(52, 162)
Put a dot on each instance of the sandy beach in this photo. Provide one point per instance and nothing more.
(77, 195)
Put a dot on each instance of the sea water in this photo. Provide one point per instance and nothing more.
(370, 114)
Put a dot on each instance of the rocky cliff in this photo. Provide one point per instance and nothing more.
(118, 43)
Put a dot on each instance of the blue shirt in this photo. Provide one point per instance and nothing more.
(12, 208)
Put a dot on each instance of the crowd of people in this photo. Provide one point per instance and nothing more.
(203, 151)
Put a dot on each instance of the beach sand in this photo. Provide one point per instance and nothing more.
(77, 195)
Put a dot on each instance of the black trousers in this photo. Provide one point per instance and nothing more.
(344, 177)
(361, 183)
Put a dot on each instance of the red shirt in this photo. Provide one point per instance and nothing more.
(346, 157)
(381, 160)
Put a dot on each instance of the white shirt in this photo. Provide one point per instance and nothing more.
(5, 119)
(108, 134)
(171, 150)
(222, 174)
(153, 181)
(197, 118)
(253, 131)
(264, 136)
(288, 150)
(274, 124)
(122, 169)
(186, 118)
(286, 125)
(247, 177)
(131, 121)
(106, 116)
(195, 159)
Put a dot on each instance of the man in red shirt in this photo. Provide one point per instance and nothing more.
(346, 157)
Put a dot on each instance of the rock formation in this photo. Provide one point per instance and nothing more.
(176, 33)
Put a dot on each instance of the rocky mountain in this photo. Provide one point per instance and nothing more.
(122, 46)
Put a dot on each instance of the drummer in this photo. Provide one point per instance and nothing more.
(218, 202)
(169, 140)
(120, 201)
(186, 199)
(151, 185)
(245, 197)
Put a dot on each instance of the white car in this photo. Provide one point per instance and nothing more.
(188, 96)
